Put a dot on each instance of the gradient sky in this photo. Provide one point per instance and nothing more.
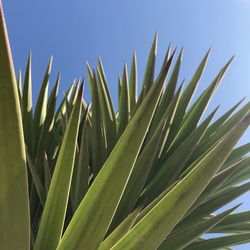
(78, 31)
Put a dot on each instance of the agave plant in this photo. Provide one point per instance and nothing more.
(150, 174)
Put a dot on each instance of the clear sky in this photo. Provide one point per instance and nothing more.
(75, 31)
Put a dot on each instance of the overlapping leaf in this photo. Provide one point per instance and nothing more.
(142, 175)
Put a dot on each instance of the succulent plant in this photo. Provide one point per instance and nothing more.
(149, 174)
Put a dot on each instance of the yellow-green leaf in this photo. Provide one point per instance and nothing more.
(93, 216)
(14, 205)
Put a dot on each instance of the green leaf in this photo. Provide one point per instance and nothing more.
(234, 221)
(243, 227)
(93, 216)
(20, 89)
(47, 173)
(218, 135)
(43, 141)
(170, 113)
(172, 167)
(237, 228)
(162, 77)
(133, 83)
(51, 225)
(154, 202)
(241, 175)
(171, 85)
(168, 92)
(153, 228)
(62, 107)
(219, 122)
(220, 242)
(97, 137)
(14, 204)
(218, 181)
(186, 98)
(167, 55)
(150, 68)
(143, 164)
(184, 237)
(119, 91)
(108, 115)
(192, 117)
(27, 107)
(105, 84)
(120, 231)
(238, 153)
(124, 107)
(90, 76)
(36, 179)
(41, 106)
(216, 202)
(80, 183)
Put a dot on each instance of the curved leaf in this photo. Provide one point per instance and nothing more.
(14, 205)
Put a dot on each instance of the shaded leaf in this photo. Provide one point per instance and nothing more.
(152, 229)
(93, 216)
(53, 216)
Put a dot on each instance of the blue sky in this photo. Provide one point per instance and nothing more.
(76, 31)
